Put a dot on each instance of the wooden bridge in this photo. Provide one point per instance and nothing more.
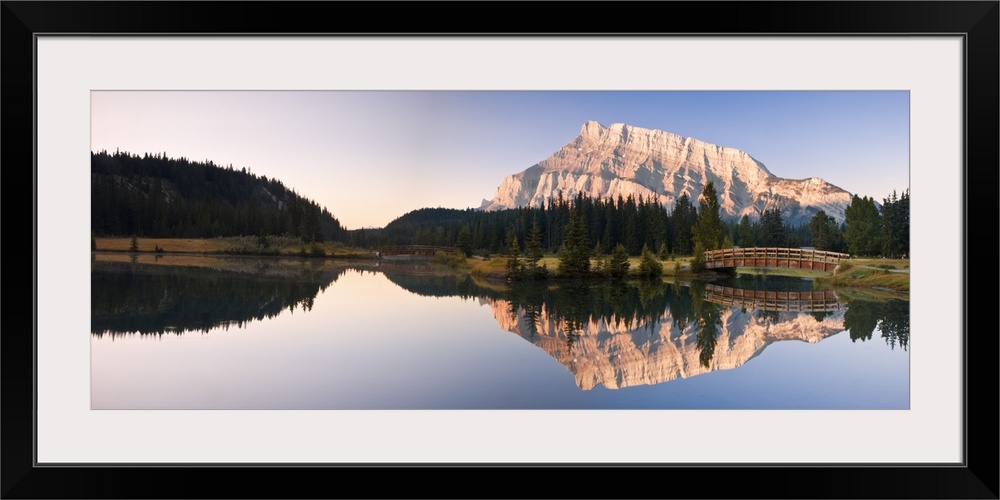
(813, 301)
(426, 250)
(793, 258)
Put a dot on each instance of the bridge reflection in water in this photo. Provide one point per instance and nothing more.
(793, 258)
(812, 301)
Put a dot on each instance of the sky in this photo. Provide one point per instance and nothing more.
(372, 156)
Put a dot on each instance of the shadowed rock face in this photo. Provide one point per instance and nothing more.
(623, 353)
(622, 160)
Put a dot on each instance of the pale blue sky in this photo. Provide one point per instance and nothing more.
(371, 156)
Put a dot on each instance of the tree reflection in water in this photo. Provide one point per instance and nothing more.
(150, 299)
(611, 334)
(891, 317)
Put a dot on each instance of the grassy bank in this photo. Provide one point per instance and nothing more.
(861, 274)
(243, 245)
(289, 266)
(496, 267)
(888, 264)
(856, 273)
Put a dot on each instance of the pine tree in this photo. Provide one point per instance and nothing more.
(618, 263)
(513, 264)
(649, 267)
(464, 244)
(772, 229)
(896, 225)
(708, 233)
(864, 227)
(819, 230)
(684, 216)
(535, 252)
(534, 245)
(745, 233)
(574, 256)
(600, 260)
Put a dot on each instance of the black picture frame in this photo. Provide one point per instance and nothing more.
(977, 477)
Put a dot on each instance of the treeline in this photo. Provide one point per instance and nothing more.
(634, 223)
(873, 231)
(868, 230)
(156, 196)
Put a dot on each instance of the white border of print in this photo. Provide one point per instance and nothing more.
(70, 67)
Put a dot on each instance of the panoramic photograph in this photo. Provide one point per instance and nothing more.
(500, 250)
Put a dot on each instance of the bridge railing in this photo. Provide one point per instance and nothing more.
(795, 258)
(776, 253)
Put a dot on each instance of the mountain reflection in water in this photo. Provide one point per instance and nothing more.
(611, 335)
(648, 333)
(653, 333)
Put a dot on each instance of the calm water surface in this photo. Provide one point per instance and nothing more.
(243, 333)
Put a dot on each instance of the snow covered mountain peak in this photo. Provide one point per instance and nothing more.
(624, 160)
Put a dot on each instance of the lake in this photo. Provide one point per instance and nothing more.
(187, 332)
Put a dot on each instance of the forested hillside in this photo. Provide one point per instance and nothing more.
(633, 223)
(160, 197)
(643, 223)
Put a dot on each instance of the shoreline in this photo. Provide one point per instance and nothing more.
(876, 275)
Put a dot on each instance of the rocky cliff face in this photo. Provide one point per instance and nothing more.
(622, 160)
(626, 353)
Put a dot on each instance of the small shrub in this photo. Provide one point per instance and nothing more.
(600, 260)
(251, 245)
(440, 258)
(451, 260)
(541, 272)
(316, 250)
(649, 267)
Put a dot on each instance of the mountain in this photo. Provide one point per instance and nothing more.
(622, 160)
